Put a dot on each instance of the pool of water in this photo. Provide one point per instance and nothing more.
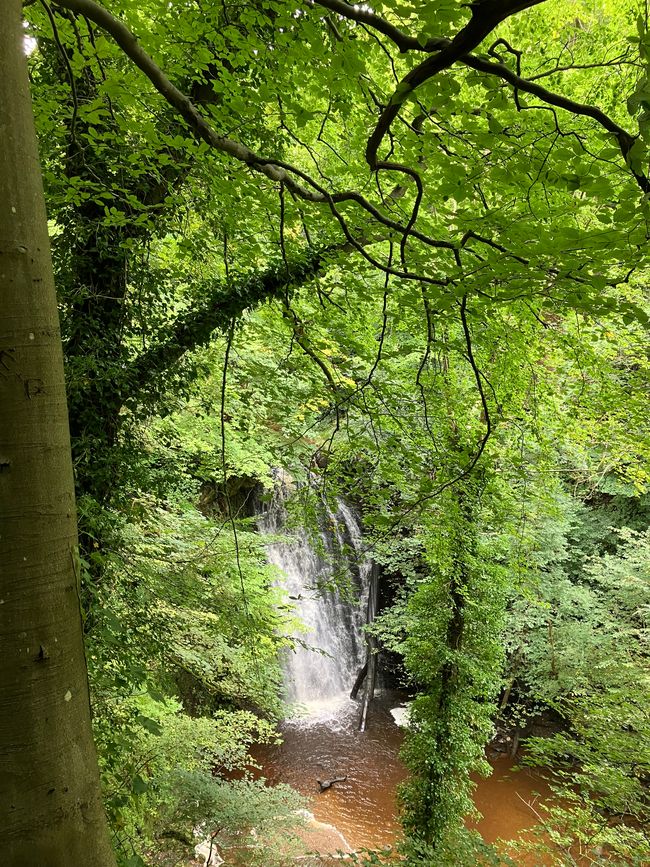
(326, 744)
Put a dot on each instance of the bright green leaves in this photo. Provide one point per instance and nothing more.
(438, 18)
(637, 156)
(580, 649)
(639, 100)
(494, 126)
(148, 724)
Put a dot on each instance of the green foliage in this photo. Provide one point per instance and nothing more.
(593, 672)
(178, 613)
(179, 595)
(174, 780)
(254, 820)
(482, 397)
(460, 847)
(451, 626)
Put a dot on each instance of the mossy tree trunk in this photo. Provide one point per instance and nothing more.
(51, 809)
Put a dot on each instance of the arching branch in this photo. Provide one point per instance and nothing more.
(275, 170)
(431, 66)
(225, 301)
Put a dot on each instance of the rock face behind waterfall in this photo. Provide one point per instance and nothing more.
(325, 661)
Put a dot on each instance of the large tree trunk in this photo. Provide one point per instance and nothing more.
(51, 811)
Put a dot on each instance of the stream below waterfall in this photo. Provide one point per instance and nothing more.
(322, 741)
(363, 807)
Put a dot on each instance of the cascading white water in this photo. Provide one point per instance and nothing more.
(323, 669)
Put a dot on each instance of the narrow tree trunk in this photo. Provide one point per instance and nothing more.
(514, 749)
(514, 668)
(371, 662)
(50, 800)
(361, 676)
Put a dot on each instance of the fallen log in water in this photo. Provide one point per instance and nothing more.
(326, 784)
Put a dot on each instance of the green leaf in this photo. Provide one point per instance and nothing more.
(139, 785)
(151, 725)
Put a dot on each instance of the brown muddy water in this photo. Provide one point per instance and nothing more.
(327, 744)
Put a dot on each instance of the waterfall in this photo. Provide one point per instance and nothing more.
(324, 663)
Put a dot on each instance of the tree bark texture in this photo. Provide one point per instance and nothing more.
(51, 811)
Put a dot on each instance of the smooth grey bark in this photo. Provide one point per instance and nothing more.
(51, 811)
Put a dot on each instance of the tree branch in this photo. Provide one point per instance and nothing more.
(407, 43)
(623, 137)
(273, 169)
(486, 16)
(223, 304)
